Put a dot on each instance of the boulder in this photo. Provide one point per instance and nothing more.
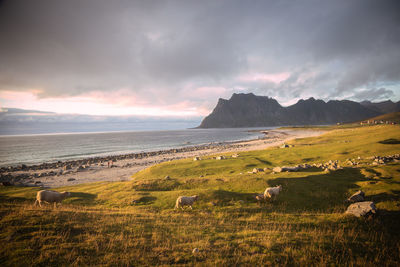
(290, 169)
(277, 169)
(81, 167)
(220, 157)
(360, 209)
(67, 167)
(256, 170)
(356, 197)
(332, 168)
(235, 155)
(196, 158)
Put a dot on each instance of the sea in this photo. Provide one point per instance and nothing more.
(30, 149)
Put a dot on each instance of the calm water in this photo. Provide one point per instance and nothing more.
(33, 149)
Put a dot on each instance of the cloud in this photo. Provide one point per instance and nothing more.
(20, 116)
(373, 94)
(165, 53)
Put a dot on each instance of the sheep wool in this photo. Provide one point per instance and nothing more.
(185, 201)
(272, 192)
(50, 197)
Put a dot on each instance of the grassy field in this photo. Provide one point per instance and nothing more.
(393, 117)
(134, 224)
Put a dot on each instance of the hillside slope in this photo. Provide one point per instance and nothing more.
(391, 117)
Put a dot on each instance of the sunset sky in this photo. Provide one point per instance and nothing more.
(176, 58)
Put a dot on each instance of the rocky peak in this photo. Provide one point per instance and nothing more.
(249, 110)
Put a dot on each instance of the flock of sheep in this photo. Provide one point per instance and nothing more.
(269, 194)
(56, 197)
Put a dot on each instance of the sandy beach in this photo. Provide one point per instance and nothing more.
(124, 166)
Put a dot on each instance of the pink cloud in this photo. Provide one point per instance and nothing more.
(117, 103)
(265, 77)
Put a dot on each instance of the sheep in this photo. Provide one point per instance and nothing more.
(50, 196)
(272, 192)
(185, 201)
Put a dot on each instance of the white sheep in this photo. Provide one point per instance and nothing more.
(272, 192)
(50, 197)
(185, 201)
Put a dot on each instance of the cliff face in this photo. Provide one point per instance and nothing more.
(243, 110)
(249, 110)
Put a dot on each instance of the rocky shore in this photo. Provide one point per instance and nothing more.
(121, 167)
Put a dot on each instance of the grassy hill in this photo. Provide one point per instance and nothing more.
(134, 223)
(393, 117)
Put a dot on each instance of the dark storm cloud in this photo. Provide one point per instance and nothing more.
(159, 49)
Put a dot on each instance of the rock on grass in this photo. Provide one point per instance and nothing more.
(361, 209)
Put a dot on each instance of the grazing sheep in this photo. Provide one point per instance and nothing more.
(50, 196)
(272, 192)
(185, 201)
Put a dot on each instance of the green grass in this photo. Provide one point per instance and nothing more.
(100, 225)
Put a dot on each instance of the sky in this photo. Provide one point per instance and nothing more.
(176, 58)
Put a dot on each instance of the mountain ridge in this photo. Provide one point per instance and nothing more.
(249, 110)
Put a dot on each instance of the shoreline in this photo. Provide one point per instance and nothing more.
(120, 156)
(96, 169)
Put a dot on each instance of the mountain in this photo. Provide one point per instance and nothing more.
(7, 111)
(383, 107)
(244, 109)
(249, 110)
